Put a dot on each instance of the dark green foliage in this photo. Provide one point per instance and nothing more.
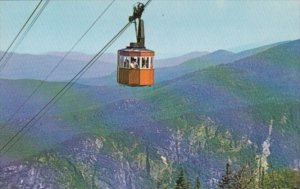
(147, 161)
(286, 178)
(197, 183)
(244, 178)
(181, 182)
(247, 178)
(227, 179)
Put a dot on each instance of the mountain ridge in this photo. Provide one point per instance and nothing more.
(198, 121)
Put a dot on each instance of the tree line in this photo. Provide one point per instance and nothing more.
(245, 177)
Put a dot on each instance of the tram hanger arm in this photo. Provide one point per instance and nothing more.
(137, 12)
(139, 25)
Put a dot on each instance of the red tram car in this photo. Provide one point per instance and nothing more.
(135, 63)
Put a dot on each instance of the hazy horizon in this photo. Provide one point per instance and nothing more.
(237, 49)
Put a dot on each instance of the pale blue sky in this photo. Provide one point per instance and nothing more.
(173, 27)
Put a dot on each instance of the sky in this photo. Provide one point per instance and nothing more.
(172, 27)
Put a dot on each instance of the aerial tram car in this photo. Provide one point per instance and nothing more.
(135, 62)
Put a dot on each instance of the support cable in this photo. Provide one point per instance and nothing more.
(37, 6)
(6, 147)
(56, 66)
(62, 91)
(17, 43)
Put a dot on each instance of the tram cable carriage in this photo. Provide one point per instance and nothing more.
(135, 62)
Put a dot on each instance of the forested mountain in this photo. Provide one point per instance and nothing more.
(238, 109)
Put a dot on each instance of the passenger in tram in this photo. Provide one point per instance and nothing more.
(133, 63)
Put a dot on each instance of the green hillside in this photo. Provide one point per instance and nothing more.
(238, 112)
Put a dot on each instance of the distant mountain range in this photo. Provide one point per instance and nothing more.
(212, 109)
(26, 66)
(184, 64)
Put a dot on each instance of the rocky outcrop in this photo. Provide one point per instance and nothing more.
(77, 163)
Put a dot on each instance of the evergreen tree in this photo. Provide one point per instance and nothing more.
(181, 182)
(244, 178)
(147, 161)
(226, 181)
(159, 183)
(197, 183)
